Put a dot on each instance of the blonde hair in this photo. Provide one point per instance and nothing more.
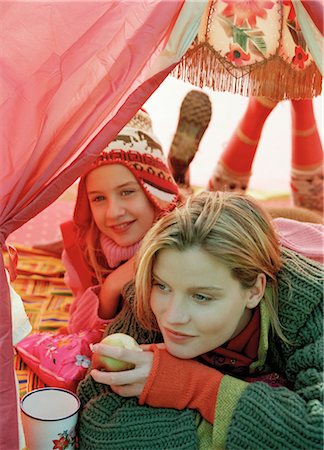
(230, 226)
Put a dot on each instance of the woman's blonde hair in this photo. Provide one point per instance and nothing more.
(230, 226)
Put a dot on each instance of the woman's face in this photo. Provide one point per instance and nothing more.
(119, 206)
(197, 303)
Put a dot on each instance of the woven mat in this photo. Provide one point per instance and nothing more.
(46, 300)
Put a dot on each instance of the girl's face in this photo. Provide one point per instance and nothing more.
(197, 303)
(119, 206)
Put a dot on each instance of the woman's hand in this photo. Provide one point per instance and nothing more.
(129, 383)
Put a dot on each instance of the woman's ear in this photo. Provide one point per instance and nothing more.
(257, 291)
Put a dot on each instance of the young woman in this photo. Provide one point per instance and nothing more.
(241, 320)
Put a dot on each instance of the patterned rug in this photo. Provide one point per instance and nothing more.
(46, 300)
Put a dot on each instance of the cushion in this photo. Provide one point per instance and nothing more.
(59, 359)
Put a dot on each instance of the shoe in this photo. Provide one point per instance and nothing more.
(194, 118)
(224, 179)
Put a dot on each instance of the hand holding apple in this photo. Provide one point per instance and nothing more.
(114, 364)
(109, 364)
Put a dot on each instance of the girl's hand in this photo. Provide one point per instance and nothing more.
(112, 287)
(129, 383)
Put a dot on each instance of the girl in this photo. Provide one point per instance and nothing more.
(127, 188)
(241, 321)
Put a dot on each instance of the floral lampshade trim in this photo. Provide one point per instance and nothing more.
(254, 48)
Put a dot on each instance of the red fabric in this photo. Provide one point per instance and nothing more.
(315, 9)
(13, 261)
(181, 383)
(63, 98)
(253, 120)
(84, 311)
(8, 399)
(237, 354)
(307, 151)
(238, 156)
(75, 254)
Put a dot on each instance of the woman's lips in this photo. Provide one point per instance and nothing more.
(176, 336)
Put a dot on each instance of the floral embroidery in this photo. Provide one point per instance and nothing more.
(241, 23)
(51, 350)
(247, 11)
(83, 361)
(237, 55)
(300, 57)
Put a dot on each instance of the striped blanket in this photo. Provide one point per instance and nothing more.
(46, 300)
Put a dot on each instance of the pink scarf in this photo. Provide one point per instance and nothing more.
(115, 254)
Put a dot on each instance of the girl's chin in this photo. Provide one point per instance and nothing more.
(125, 242)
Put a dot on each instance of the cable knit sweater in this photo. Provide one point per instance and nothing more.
(248, 415)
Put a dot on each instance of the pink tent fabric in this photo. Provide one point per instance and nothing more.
(72, 74)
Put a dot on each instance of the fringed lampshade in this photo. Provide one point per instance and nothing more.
(253, 48)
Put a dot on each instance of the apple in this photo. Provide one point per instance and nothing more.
(109, 364)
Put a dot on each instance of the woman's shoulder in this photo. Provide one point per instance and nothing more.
(305, 272)
(300, 288)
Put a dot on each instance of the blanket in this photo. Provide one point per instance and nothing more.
(46, 300)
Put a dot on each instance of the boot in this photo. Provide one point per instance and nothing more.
(194, 118)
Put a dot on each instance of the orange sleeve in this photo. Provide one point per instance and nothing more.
(181, 383)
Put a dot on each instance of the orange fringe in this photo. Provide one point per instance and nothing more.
(273, 78)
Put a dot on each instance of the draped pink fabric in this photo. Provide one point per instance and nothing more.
(315, 9)
(72, 74)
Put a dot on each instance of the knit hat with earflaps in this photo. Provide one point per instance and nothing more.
(138, 149)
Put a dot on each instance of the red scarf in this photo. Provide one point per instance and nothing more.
(236, 355)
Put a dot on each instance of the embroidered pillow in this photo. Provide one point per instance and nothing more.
(58, 359)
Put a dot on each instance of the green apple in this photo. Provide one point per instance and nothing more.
(109, 364)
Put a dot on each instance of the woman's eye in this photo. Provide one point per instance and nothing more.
(160, 286)
(201, 297)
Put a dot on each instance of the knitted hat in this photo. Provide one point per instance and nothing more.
(136, 148)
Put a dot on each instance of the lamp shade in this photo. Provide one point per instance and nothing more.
(253, 48)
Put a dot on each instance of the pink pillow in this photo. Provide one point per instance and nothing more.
(59, 360)
(304, 238)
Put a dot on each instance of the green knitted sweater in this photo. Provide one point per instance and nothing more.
(252, 416)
